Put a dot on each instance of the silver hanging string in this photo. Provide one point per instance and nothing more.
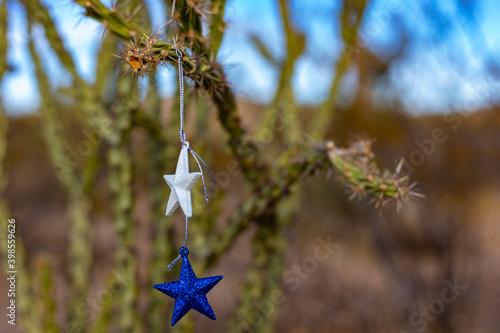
(181, 91)
(185, 143)
(172, 264)
(182, 134)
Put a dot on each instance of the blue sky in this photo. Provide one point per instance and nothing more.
(432, 76)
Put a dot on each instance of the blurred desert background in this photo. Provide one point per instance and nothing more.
(420, 80)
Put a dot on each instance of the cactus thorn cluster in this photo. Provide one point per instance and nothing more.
(141, 58)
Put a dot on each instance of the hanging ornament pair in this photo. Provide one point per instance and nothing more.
(189, 291)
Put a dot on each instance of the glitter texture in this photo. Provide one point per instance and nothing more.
(181, 184)
(189, 292)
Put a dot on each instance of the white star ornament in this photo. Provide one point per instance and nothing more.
(181, 184)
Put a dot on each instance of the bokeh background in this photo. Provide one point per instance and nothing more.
(420, 78)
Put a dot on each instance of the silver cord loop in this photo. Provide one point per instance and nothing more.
(197, 158)
(172, 264)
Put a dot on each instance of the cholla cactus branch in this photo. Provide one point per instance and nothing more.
(39, 14)
(120, 183)
(111, 17)
(79, 205)
(27, 310)
(217, 26)
(356, 168)
(45, 284)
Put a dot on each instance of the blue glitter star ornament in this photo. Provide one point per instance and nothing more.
(189, 292)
